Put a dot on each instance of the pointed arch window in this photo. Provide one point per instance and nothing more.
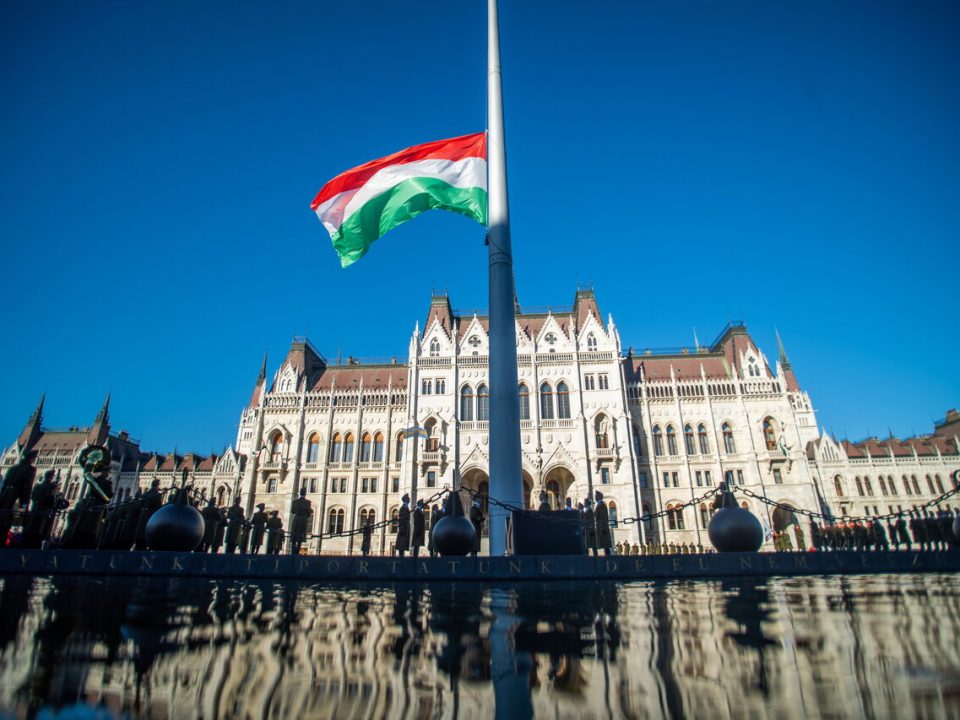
(367, 515)
(612, 514)
(728, 445)
(838, 485)
(348, 444)
(703, 440)
(671, 441)
(600, 430)
(524, 393)
(688, 442)
(591, 343)
(466, 403)
(769, 434)
(868, 486)
(434, 348)
(883, 485)
(563, 401)
(335, 520)
(657, 441)
(906, 485)
(930, 486)
(916, 485)
(313, 448)
(546, 402)
(859, 486)
(394, 520)
(398, 450)
(378, 447)
(939, 484)
(336, 448)
(483, 402)
(276, 447)
(366, 447)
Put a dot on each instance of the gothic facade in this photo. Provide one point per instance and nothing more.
(653, 430)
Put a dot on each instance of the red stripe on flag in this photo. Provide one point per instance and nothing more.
(456, 148)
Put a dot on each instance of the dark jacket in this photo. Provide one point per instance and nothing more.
(419, 529)
(602, 519)
(403, 528)
(302, 512)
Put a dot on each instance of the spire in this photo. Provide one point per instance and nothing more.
(262, 377)
(784, 362)
(104, 414)
(31, 431)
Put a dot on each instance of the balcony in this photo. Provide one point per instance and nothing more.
(430, 456)
(475, 425)
(557, 424)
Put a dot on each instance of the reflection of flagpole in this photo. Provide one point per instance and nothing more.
(509, 667)
(505, 480)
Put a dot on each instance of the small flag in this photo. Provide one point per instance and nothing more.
(414, 432)
(360, 205)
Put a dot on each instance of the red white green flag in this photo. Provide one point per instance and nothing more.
(358, 206)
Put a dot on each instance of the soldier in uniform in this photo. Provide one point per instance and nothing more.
(403, 527)
(150, 502)
(419, 529)
(274, 533)
(43, 502)
(589, 528)
(879, 535)
(916, 529)
(435, 515)
(931, 530)
(602, 519)
(367, 533)
(211, 520)
(17, 485)
(258, 522)
(302, 513)
(544, 502)
(235, 522)
(801, 540)
(221, 530)
(892, 533)
(815, 537)
(476, 517)
(903, 536)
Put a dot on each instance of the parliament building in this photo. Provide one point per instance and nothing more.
(653, 430)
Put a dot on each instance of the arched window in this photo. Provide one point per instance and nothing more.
(394, 521)
(675, 517)
(939, 484)
(313, 448)
(591, 343)
(563, 401)
(524, 393)
(705, 515)
(930, 486)
(646, 520)
(398, 450)
(769, 434)
(916, 485)
(348, 444)
(600, 431)
(276, 447)
(483, 402)
(378, 447)
(657, 441)
(335, 520)
(838, 485)
(702, 439)
(883, 485)
(434, 348)
(728, 445)
(336, 448)
(367, 514)
(859, 486)
(612, 513)
(221, 492)
(906, 485)
(868, 486)
(546, 402)
(366, 447)
(466, 404)
(688, 440)
(671, 440)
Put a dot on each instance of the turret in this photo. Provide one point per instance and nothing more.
(31, 431)
(101, 425)
(785, 369)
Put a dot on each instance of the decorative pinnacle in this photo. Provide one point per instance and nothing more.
(784, 361)
(263, 368)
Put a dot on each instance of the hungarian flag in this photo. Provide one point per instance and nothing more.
(360, 205)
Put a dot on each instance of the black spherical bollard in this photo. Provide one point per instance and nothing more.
(454, 534)
(177, 526)
(734, 529)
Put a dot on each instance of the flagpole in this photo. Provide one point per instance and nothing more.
(506, 483)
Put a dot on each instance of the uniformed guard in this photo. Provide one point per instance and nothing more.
(235, 522)
(589, 527)
(801, 540)
(903, 536)
(435, 515)
(403, 527)
(274, 533)
(220, 532)
(544, 502)
(418, 535)
(602, 520)
(43, 503)
(367, 533)
(258, 524)
(211, 520)
(476, 517)
(302, 513)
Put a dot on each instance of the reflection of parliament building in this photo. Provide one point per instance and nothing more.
(651, 429)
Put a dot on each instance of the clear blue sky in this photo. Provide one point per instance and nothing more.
(793, 163)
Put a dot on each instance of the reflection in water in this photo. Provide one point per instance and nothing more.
(869, 646)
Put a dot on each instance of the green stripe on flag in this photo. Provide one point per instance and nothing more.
(404, 201)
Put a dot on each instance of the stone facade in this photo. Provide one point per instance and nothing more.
(653, 430)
